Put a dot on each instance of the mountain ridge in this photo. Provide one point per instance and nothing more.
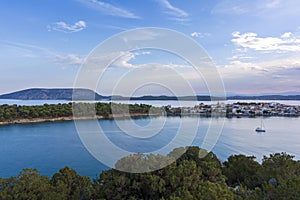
(52, 94)
(87, 94)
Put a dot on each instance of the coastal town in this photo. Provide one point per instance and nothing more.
(239, 109)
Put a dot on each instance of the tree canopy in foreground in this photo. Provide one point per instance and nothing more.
(189, 177)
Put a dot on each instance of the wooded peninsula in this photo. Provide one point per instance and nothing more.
(17, 114)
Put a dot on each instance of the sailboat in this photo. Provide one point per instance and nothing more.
(261, 128)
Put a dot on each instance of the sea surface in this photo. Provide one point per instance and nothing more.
(52, 145)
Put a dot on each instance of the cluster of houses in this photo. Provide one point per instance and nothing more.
(239, 109)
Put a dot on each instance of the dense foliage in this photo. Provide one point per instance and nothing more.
(190, 177)
(48, 111)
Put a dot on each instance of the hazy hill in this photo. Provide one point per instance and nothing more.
(86, 94)
(266, 97)
(52, 94)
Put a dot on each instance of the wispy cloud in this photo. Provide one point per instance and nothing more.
(265, 9)
(176, 14)
(26, 47)
(126, 57)
(108, 9)
(251, 40)
(233, 7)
(272, 3)
(116, 27)
(67, 28)
(199, 34)
(271, 66)
(68, 59)
(37, 51)
(125, 60)
(141, 34)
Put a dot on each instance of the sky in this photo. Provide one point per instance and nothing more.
(255, 45)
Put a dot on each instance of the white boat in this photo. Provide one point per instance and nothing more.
(261, 128)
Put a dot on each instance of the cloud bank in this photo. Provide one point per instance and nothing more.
(251, 40)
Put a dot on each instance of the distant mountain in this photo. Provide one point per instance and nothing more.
(232, 94)
(208, 98)
(86, 94)
(52, 94)
(266, 97)
(167, 98)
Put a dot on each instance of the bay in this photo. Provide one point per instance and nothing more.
(53, 145)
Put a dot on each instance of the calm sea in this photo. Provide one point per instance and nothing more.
(53, 145)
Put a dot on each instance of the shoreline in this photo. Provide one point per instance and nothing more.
(71, 118)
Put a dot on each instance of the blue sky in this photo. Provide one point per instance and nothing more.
(254, 44)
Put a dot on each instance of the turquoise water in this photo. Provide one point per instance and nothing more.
(51, 146)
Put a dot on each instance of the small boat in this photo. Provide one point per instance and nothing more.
(261, 128)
